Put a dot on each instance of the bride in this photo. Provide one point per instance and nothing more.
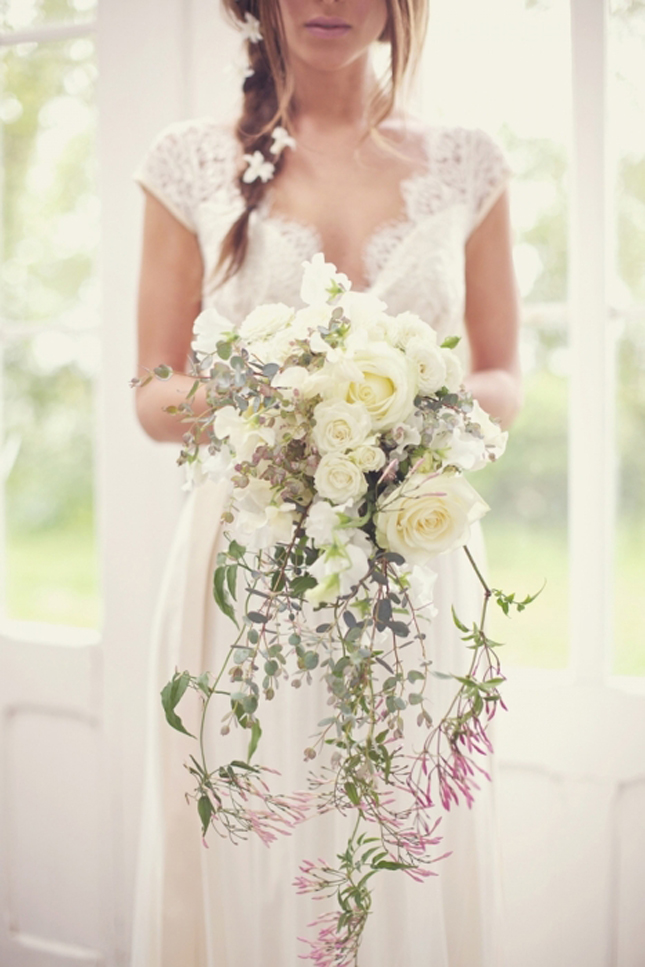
(321, 159)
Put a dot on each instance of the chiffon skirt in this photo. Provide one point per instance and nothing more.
(226, 905)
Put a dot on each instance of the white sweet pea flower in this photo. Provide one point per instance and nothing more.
(321, 281)
(421, 582)
(462, 449)
(337, 571)
(217, 465)
(281, 140)
(367, 314)
(245, 436)
(290, 379)
(322, 521)
(210, 328)
(251, 29)
(406, 435)
(258, 167)
(340, 426)
(494, 437)
(228, 423)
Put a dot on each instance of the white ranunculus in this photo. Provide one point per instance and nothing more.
(338, 479)
(425, 516)
(430, 363)
(321, 281)
(265, 321)
(387, 385)
(494, 437)
(210, 328)
(338, 569)
(409, 326)
(340, 426)
(454, 370)
(368, 457)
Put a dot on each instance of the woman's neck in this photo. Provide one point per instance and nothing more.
(338, 100)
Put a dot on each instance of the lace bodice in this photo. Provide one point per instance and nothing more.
(415, 263)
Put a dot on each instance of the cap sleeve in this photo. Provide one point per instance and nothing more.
(169, 172)
(490, 173)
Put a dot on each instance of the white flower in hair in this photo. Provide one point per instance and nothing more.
(258, 167)
(251, 29)
(281, 140)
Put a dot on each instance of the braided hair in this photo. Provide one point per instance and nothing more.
(268, 93)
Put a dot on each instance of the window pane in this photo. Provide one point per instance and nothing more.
(51, 557)
(49, 200)
(626, 110)
(526, 534)
(26, 14)
(506, 67)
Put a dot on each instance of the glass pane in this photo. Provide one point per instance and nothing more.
(531, 116)
(49, 200)
(519, 52)
(626, 110)
(526, 533)
(51, 555)
(27, 14)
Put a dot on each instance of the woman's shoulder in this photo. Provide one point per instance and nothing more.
(188, 162)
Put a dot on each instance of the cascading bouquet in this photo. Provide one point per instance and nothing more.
(345, 433)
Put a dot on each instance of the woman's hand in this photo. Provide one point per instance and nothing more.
(492, 316)
(169, 301)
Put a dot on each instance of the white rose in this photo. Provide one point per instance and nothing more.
(387, 386)
(426, 516)
(321, 281)
(494, 437)
(430, 364)
(265, 321)
(340, 426)
(338, 479)
(368, 458)
(454, 370)
(410, 326)
(210, 328)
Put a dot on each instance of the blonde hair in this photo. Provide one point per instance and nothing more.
(268, 94)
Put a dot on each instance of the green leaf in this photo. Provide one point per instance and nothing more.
(456, 620)
(257, 618)
(399, 628)
(171, 695)
(310, 660)
(231, 580)
(224, 350)
(205, 810)
(352, 794)
(415, 676)
(220, 594)
(301, 584)
(256, 733)
(415, 698)
(163, 372)
(236, 550)
(450, 342)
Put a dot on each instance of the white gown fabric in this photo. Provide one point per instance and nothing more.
(234, 906)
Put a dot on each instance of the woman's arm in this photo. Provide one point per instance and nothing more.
(492, 316)
(169, 301)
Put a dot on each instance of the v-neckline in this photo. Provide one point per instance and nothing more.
(404, 223)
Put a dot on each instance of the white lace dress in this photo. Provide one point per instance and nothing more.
(234, 906)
